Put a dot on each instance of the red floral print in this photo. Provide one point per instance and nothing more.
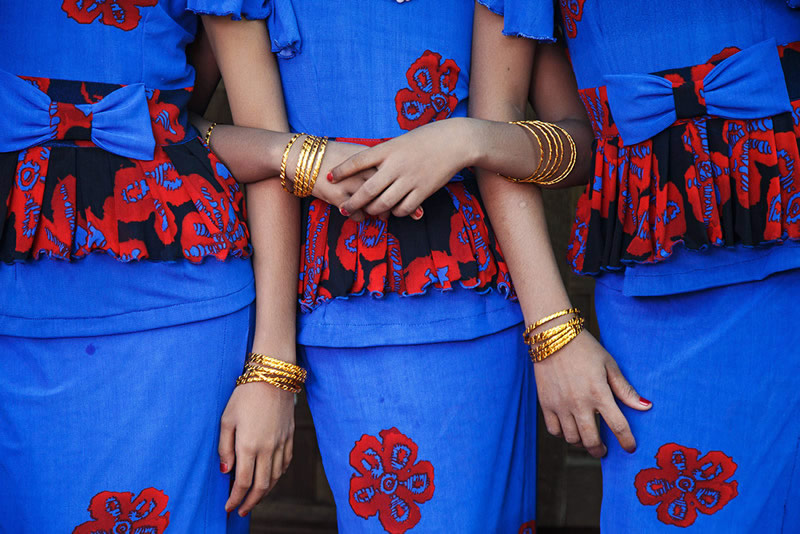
(124, 14)
(572, 11)
(432, 94)
(389, 481)
(528, 528)
(120, 512)
(683, 484)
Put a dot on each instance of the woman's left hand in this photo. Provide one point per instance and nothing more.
(410, 168)
(256, 439)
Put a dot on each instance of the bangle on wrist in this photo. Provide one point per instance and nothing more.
(551, 160)
(207, 138)
(283, 375)
(544, 344)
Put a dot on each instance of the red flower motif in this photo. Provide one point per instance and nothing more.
(684, 484)
(388, 482)
(432, 94)
(124, 14)
(572, 11)
(528, 528)
(120, 512)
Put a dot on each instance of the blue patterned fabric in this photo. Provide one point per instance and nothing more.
(608, 39)
(136, 42)
(718, 452)
(417, 438)
(99, 435)
(746, 85)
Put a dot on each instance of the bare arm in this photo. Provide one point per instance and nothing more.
(581, 378)
(258, 423)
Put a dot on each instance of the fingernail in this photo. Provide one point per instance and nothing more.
(344, 212)
(330, 176)
(223, 467)
(418, 214)
(644, 402)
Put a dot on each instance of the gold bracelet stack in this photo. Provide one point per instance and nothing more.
(207, 138)
(309, 163)
(551, 159)
(281, 374)
(548, 342)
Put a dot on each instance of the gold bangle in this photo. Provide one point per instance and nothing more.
(547, 342)
(207, 138)
(285, 159)
(317, 165)
(307, 171)
(556, 157)
(524, 125)
(572, 157)
(299, 173)
(544, 320)
(281, 374)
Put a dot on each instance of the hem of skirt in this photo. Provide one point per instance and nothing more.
(503, 289)
(45, 255)
(515, 33)
(628, 262)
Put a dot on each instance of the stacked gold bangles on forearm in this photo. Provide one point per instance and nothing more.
(309, 163)
(281, 374)
(549, 341)
(550, 160)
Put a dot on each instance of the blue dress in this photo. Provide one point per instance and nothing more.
(690, 222)
(419, 385)
(125, 279)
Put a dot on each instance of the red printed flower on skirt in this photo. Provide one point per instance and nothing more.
(432, 94)
(120, 512)
(389, 481)
(684, 484)
(124, 14)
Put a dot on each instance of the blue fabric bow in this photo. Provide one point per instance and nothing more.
(120, 121)
(748, 85)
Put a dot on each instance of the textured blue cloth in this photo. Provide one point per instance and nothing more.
(455, 422)
(609, 37)
(138, 45)
(134, 415)
(746, 85)
(731, 388)
(533, 20)
(120, 121)
(345, 83)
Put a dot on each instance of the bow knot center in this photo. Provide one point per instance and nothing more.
(71, 121)
(689, 98)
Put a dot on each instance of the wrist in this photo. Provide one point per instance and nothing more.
(470, 139)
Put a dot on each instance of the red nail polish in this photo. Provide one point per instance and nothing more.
(223, 467)
(330, 176)
(344, 212)
(644, 401)
(418, 213)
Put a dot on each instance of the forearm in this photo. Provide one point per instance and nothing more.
(274, 219)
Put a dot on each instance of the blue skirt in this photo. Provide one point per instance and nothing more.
(719, 452)
(428, 438)
(116, 433)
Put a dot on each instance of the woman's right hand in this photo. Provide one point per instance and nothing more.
(578, 382)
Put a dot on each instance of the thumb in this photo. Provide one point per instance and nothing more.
(227, 456)
(624, 391)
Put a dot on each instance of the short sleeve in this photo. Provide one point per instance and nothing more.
(236, 9)
(533, 19)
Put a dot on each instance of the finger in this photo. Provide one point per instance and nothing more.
(360, 176)
(368, 191)
(590, 435)
(360, 161)
(358, 216)
(418, 213)
(277, 466)
(410, 205)
(245, 462)
(552, 424)
(227, 456)
(288, 452)
(570, 429)
(389, 199)
(262, 482)
(619, 426)
(624, 390)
